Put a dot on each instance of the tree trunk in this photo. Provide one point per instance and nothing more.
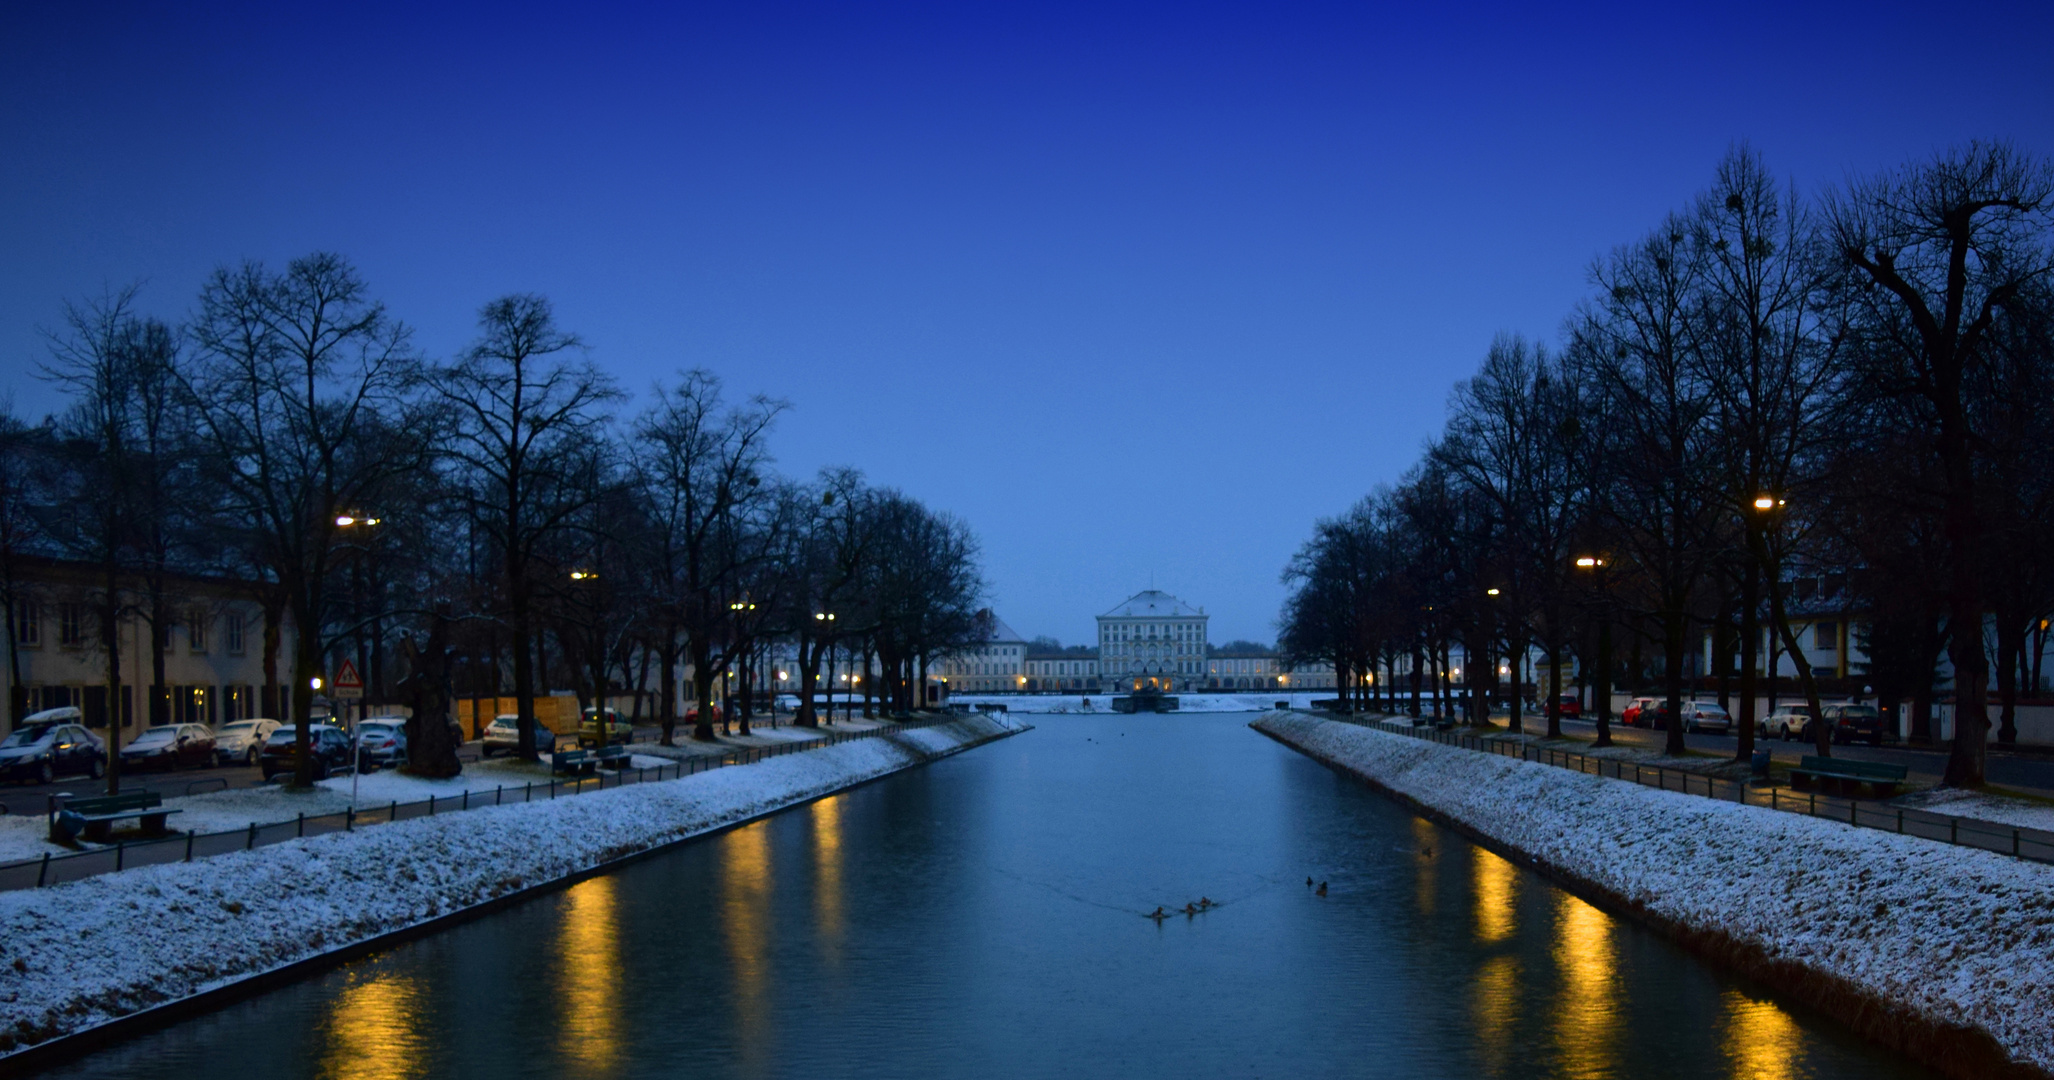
(2011, 633)
(1675, 627)
(1750, 641)
(524, 652)
(110, 639)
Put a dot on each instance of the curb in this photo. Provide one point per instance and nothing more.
(74, 1045)
(1958, 1051)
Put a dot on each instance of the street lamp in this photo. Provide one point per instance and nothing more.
(1490, 592)
(584, 575)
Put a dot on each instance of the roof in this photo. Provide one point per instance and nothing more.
(1152, 603)
(1000, 632)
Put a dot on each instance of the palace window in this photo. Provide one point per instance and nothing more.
(231, 633)
(196, 630)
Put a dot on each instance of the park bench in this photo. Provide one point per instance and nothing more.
(572, 763)
(613, 757)
(91, 819)
(1850, 775)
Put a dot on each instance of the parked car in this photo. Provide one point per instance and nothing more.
(713, 713)
(381, 742)
(170, 746)
(1637, 713)
(49, 744)
(1706, 717)
(241, 741)
(617, 729)
(1571, 706)
(1787, 722)
(503, 733)
(1854, 723)
(329, 747)
(786, 702)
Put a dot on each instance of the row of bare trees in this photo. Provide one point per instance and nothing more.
(1767, 388)
(482, 525)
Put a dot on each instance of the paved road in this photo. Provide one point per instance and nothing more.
(2025, 772)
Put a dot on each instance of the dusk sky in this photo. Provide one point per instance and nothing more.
(1133, 291)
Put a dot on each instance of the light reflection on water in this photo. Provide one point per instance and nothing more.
(1425, 879)
(745, 879)
(1586, 1015)
(588, 977)
(1497, 889)
(827, 877)
(1761, 1039)
(371, 1033)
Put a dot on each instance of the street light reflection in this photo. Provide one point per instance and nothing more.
(744, 920)
(588, 965)
(1423, 865)
(371, 1033)
(1761, 1039)
(827, 876)
(1497, 888)
(1586, 1016)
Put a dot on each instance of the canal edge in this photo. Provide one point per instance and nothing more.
(1956, 1051)
(30, 1060)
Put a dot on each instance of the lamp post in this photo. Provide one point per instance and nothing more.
(581, 578)
(1601, 692)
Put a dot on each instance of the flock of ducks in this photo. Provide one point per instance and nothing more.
(1203, 904)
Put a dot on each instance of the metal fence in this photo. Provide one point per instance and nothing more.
(2035, 845)
(52, 868)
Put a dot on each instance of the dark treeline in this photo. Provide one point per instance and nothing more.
(493, 523)
(1854, 386)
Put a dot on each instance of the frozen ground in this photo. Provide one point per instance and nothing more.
(1951, 935)
(1972, 804)
(25, 836)
(81, 953)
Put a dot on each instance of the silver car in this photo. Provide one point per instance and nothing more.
(1706, 717)
(241, 741)
(382, 741)
(503, 733)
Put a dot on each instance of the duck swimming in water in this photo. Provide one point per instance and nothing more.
(1158, 914)
(1322, 890)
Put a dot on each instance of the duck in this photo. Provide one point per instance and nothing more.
(1158, 914)
(1204, 903)
(1308, 883)
(1322, 890)
(1190, 909)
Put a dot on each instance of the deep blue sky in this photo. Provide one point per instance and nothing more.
(1135, 291)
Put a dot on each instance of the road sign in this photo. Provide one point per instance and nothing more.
(348, 684)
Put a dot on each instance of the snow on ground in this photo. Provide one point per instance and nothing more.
(1251, 701)
(81, 953)
(26, 836)
(1951, 934)
(1973, 804)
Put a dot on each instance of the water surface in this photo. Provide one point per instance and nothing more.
(985, 917)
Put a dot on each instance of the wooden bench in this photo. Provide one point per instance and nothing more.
(92, 819)
(572, 763)
(1850, 775)
(613, 757)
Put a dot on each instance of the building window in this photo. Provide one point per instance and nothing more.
(71, 625)
(231, 633)
(28, 624)
(1826, 636)
(196, 630)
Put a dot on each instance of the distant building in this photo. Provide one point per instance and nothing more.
(1068, 671)
(213, 659)
(1152, 640)
(996, 664)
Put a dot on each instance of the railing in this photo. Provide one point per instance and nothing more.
(2034, 845)
(52, 868)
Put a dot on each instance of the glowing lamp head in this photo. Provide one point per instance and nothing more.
(344, 520)
(1764, 502)
(1490, 592)
(1587, 561)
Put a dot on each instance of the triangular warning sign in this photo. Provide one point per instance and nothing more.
(346, 677)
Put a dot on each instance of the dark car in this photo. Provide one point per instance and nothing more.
(45, 746)
(1854, 723)
(329, 745)
(170, 746)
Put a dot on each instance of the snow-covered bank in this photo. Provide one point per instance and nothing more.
(1944, 953)
(81, 954)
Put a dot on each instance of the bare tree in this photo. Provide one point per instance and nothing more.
(1934, 254)
(303, 391)
(528, 440)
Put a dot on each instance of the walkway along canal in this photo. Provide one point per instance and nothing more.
(987, 916)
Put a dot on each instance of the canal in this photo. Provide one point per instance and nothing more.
(985, 916)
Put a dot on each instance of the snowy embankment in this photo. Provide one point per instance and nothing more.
(1945, 953)
(77, 955)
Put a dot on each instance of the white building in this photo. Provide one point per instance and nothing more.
(996, 664)
(1061, 672)
(1152, 640)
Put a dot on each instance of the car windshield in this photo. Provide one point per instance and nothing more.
(238, 727)
(155, 735)
(281, 737)
(1860, 712)
(30, 735)
(377, 730)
